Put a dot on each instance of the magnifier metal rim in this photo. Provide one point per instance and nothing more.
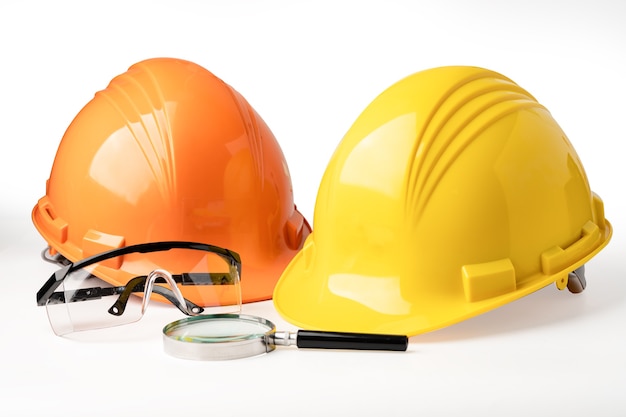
(218, 348)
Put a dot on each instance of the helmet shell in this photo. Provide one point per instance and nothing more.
(453, 193)
(168, 151)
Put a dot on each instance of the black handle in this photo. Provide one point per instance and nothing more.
(355, 341)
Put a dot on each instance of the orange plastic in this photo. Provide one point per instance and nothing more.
(168, 151)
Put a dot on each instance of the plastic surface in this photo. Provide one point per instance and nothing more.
(453, 193)
(218, 337)
(168, 151)
(356, 341)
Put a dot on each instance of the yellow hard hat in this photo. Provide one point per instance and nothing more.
(453, 193)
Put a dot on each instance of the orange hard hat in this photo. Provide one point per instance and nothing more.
(168, 151)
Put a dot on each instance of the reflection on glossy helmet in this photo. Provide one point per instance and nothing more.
(453, 193)
(168, 151)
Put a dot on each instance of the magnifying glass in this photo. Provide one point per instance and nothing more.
(234, 336)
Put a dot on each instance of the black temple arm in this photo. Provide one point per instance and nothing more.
(83, 294)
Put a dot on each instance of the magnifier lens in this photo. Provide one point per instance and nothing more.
(218, 337)
(219, 329)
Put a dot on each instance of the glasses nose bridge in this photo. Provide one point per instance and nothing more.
(167, 276)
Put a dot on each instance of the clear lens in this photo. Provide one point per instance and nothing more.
(219, 328)
(218, 337)
(82, 302)
(111, 292)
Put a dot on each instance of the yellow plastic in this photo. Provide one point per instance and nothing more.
(168, 151)
(453, 193)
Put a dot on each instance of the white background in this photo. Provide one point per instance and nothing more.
(309, 69)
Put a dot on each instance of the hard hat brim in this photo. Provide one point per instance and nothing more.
(304, 298)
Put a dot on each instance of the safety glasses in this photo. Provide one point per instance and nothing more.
(114, 288)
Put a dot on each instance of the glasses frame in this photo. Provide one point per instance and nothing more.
(144, 283)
